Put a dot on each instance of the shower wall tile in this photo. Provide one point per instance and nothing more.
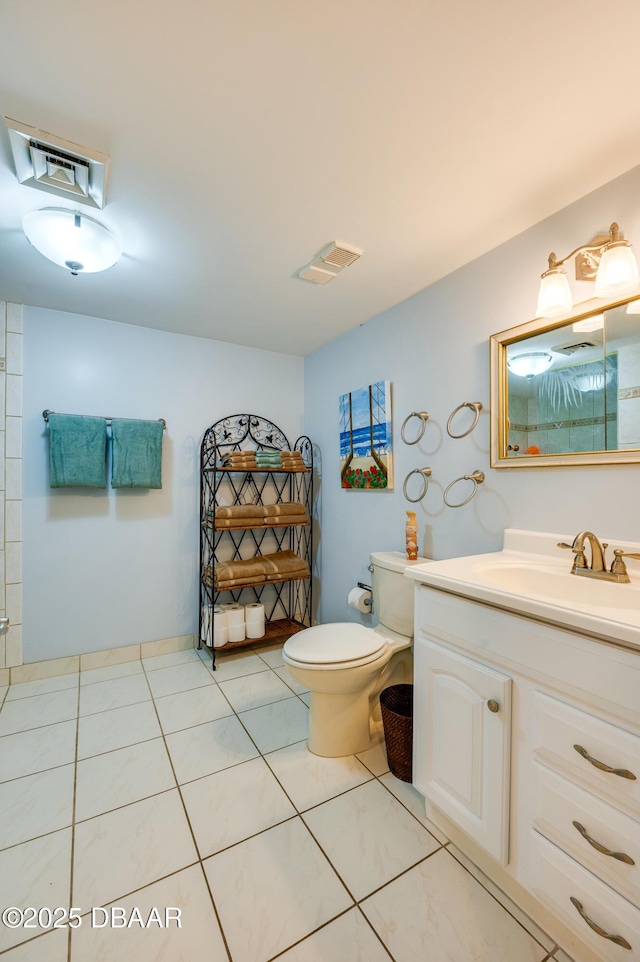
(13, 521)
(14, 318)
(3, 328)
(14, 353)
(13, 642)
(13, 437)
(13, 562)
(14, 395)
(13, 478)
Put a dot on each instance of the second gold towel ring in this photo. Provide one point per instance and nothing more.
(477, 477)
(474, 406)
(426, 474)
(424, 416)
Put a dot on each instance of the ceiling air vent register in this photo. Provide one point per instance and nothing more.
(58, 166)
(329, 263)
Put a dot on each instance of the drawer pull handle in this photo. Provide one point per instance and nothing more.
(622, 772)
(618, 939)
(600, 848)
(493, 705)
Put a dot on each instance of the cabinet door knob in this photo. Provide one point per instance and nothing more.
(493, 705)
(618, 939)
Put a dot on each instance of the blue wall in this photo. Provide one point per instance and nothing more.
(434, 348)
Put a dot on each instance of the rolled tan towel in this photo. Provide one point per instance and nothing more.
(238, 583)
(282, 563)
(210, 581)
(301, 574)
(231, 570)
(285, 507)
(229, 524)
(240, 511)
(285, 519)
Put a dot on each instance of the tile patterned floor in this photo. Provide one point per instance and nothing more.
(160, 783)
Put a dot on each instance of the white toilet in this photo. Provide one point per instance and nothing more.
(345, 665)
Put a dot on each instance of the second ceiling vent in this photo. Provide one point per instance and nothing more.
(329, 262)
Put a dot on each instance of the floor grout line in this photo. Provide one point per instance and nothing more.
(73, 820)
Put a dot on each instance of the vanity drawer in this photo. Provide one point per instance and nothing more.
(556, 879)
(558, 803)
(564, 735)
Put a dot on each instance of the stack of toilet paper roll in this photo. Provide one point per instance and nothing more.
(254, 620)
(234, 622)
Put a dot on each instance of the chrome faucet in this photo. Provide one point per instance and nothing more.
(597, 569)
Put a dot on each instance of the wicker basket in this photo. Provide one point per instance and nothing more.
(396, 703)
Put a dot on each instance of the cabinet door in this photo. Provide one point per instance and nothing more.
(462, 729)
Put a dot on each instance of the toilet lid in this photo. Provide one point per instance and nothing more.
(333, 644)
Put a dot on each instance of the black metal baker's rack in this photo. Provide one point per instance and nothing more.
(287, 603)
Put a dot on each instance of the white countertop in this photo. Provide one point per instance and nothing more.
(532, 576)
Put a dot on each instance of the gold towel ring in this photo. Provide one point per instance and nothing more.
(477, 477)
(424, 416)
(474, 406)
(426, 474)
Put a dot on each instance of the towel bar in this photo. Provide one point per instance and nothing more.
(45, 415)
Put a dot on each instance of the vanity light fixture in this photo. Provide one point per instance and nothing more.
(610, 260)
(71, 239)
(531, 364)
(589, 324)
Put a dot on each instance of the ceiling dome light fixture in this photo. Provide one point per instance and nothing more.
(71, 239)
(529, 365)
(609, 260)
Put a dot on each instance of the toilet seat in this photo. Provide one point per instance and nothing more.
(337, 645)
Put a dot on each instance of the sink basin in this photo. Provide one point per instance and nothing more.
(532, 576)
(559, 586)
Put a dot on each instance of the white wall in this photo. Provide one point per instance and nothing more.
(434, 348)
(115, 567)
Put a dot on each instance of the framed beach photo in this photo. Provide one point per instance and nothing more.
(366, 447)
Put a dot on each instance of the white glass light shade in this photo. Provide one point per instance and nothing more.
(71, 239)
(617, 271)
(529, 365)
(589, 324)
(593, 380)
(555, 294)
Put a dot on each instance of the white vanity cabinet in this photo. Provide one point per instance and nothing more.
(548, 785)
(462, 764)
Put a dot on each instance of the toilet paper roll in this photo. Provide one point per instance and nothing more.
(234, 615)
(236, 632)
(255, 629)
(220, 635)
(253, 613)
(360, 599)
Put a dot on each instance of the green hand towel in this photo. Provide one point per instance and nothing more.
(77, 451)
(136, 456)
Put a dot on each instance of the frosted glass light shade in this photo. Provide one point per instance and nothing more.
(589, 324)
(617, 271)
(529, 365)
(71, 239)
(555, 294)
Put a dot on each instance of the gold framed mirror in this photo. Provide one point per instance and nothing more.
(567, 391)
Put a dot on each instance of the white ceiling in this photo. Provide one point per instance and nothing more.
(246, 135)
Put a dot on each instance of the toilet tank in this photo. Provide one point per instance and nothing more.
(392, 592)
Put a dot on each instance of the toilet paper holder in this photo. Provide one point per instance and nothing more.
(368, 601)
